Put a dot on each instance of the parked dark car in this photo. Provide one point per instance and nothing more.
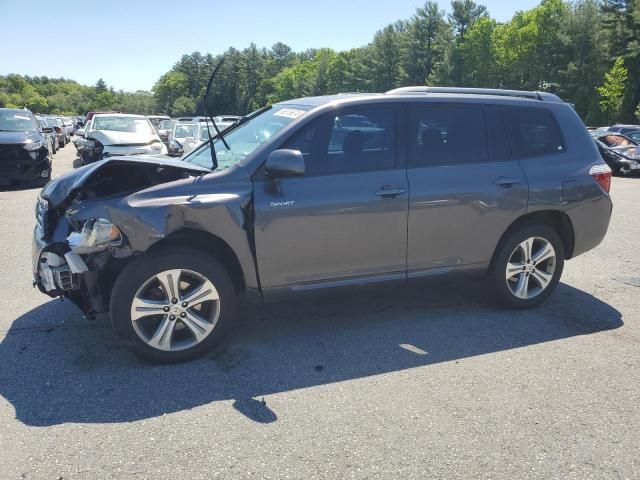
(58, 127)
(50, 135)
(620, 152)
(505, 184)
(24, 154)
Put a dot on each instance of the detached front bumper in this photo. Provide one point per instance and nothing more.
(55, 272)
(60, 272)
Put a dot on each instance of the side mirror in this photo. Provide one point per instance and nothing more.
(80, 132)
(285, 163)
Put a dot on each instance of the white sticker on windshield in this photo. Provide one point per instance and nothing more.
(289, 113)
(21, 117)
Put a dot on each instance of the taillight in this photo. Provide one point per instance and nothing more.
(602, 174)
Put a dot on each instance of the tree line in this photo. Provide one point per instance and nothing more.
(586, 51)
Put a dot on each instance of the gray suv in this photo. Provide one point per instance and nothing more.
(325, 192)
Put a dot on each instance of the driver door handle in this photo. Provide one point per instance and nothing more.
(507, 181)
(390, 192)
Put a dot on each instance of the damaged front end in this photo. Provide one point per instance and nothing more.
(78, 249)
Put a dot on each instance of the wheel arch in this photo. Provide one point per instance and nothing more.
(208, 244)
(559, 221)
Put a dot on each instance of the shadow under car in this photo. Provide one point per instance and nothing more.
(55, 373)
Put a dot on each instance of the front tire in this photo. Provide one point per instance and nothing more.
(527, 266)
(172, 305)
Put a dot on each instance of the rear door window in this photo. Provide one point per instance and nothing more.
(534, 132)
(448, 135)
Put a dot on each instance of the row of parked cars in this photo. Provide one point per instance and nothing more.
(619, 146)
(183, 135)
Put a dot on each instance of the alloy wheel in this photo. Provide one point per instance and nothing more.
(175, 310)
(531, 268)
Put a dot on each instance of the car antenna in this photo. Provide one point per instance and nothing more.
(214, 160)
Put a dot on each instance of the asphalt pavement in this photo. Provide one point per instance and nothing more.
(433, 382)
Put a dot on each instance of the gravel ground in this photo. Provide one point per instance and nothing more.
(434, 382)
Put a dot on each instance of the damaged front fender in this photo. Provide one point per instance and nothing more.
(148, 201)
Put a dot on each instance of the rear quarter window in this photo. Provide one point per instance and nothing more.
(534, 132)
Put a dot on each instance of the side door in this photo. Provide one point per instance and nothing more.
(345, 220)
(466, 187)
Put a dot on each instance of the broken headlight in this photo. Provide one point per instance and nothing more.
(96, 235)
(33, 147)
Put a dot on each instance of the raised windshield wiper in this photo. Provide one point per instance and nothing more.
(214, 160)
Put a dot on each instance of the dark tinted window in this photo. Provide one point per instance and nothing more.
(499, 146)
(354, 140)
(305, 141)
(534, 132)
(443, 135)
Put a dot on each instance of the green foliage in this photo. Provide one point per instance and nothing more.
(183, 106)
(66, 97)
(613, 89)
(576, 49)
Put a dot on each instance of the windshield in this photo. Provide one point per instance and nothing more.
(16, 121)
(204, 134)
(123, 124)
(247, 137)
(155, 121)
(184, 131)
(167, 124)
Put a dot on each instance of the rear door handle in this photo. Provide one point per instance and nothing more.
(390, 192)
(507, 181)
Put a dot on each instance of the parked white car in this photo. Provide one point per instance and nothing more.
(109, 135)
(180, 133)
(200, 134)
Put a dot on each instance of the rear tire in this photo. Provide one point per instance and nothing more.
(527, 266)
(151, 280)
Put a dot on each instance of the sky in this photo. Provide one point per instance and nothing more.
(131, 43)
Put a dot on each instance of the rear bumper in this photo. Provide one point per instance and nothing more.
(590, 224)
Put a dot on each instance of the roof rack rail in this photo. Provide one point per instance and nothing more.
(542, 96)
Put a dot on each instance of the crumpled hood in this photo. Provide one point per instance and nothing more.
(59, 189)
(107, 137)
(630, 152)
